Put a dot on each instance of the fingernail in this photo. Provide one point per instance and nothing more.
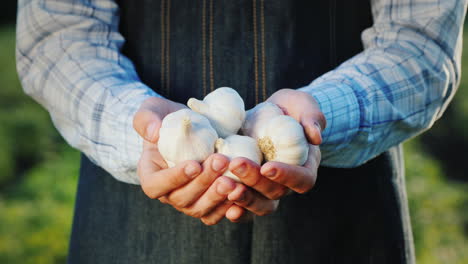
(316, 124)
(218, 164)
(271, 173)
(191, 171)
(150, 131)
(239, 171)
(319, 128)
(224, 187)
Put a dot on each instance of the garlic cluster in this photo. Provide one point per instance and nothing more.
(193, 134)
(186, 135)
(224, 108)
(239, 146)
(280, 137)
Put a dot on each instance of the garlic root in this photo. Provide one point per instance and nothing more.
(267, 147)
(282, 139)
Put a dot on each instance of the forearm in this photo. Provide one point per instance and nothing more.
(68, 60)
(397, 87)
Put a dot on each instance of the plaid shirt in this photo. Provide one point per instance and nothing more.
(68, 60)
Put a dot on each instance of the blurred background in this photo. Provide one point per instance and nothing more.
(38, 174)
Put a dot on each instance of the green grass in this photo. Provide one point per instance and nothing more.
(438, 209)
(38, 175)
(37, 212)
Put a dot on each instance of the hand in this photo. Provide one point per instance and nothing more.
(267, 184)
(192, 188)
(302, 107)
(274, 179)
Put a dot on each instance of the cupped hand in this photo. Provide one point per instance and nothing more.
(305, 109)
(268, 183)
(274, 180)
(195, 189)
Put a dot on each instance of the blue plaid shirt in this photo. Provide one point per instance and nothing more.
(69, 60)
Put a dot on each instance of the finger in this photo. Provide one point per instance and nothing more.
(148, 118)
(148, 163)
(314, 158)
(299, 179)
(213, 167)
(237, 214)
(151, 160)
(293, 103)
(249, 173)
(252, 200)
(312, 129)
(147, 123)
(217, 214)
(215, 195)
(160, 182)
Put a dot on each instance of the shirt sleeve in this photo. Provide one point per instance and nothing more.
(68, 60)
(398, 86)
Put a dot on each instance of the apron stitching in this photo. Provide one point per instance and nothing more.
(204, 47)
(262, 23)
(211, 46)
(254, 3)
(168, 39)
(163, 42)
(333, 33)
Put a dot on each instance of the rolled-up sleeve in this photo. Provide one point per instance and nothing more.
(398, 86)
(69, 60)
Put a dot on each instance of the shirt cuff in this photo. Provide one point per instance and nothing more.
(339, 104)
(132, 142)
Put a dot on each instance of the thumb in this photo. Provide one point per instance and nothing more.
(313, 127)
(147, 124)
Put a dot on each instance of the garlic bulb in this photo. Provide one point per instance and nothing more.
(257, 116)
(186, 135)
(224, 108)
(239, 146)
(282, 139)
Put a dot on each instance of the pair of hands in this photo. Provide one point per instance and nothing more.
(200, 191)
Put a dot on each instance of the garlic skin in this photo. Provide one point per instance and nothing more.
(282, 139)
(239, 146)
(258, 117)
(224, 108)
(186, 135)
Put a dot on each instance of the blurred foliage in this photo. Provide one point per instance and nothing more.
(441, 140)
(38, 175)
(36, 212)
(438, 208)
(25, 125)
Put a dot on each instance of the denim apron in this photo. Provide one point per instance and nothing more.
(184, 49)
